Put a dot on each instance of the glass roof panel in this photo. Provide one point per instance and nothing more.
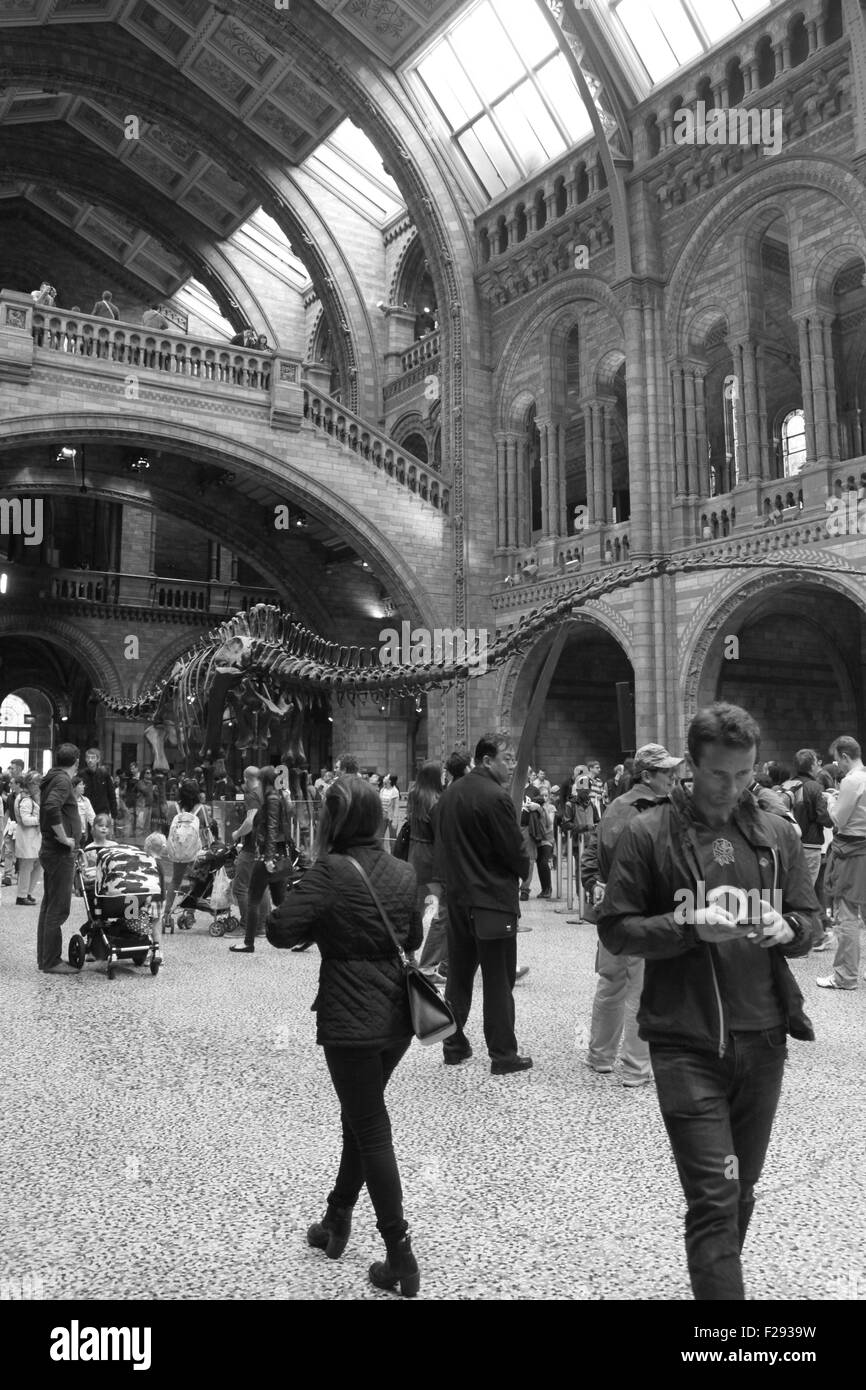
(480, 75)
(351, 167)
(661, 36)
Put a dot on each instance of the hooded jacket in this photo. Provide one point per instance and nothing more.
(58, 806)
(657, 854)
(362, 998)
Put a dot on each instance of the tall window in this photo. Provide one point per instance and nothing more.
(793, 443)
(732, 442)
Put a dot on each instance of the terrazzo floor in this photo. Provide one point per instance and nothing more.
(171, 1138)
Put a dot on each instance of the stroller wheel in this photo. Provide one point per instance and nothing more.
(76, 951)
(218, 925)
(154, 966)
(140, 957)
(110, 972)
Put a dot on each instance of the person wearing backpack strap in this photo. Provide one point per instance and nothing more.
(187, 835)
(808, 807)
(276, 862)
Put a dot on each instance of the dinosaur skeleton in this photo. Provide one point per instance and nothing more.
(267, 669)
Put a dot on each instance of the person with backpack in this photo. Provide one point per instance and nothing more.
(277, 859)
(808, 806)
(188, 834)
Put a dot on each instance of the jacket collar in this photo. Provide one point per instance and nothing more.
(747, 816)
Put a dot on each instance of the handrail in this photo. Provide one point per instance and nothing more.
(130, 345)
(333, 419)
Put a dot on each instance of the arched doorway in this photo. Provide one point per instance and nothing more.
(581, 716)
(790, 651)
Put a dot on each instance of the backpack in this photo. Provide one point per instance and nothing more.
(792, 791)
(184, 837)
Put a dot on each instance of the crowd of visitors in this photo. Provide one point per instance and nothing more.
(705, 872)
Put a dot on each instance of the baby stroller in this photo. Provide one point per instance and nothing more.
(196, 889)
(122, 891)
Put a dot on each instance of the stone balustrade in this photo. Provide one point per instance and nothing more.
(83, 336)
(425, 350)
(183, 597)
(347, 429)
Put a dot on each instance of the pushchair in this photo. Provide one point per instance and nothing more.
(197, 887)
(122, 891)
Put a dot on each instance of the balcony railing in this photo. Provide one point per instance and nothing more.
(159, 594)
(425, 350)
(83, 336)
(333, 419)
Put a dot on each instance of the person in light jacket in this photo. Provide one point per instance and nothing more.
(28, 839)
(362, 1012)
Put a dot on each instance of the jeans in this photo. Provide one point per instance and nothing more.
(617, 996)
(846, 963)
(498, 961)
(359, 1076)
(57, 869)
(259, 881)
(241, 882)
(435, 950)
(545, 854)
(718, 1112)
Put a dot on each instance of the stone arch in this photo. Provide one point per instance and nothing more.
(98, 666)
(566, 294)
(606, 370)
(515, 419)
(824, 276)
(524, 668)
(210, 446)
(829, 176)
(720, 606)
(701, 324)
(405, 268)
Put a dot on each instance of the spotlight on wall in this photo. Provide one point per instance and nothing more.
(4, 581)
(139, 463)
(66, 455)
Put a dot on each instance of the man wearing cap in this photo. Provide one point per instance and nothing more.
(620, 978)
(714, 893)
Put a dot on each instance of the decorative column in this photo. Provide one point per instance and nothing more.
(543, 427)
(501, 491)
(818, 373)
(511, 447)
(752, 409)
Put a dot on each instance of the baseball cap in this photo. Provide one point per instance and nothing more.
(653, 757)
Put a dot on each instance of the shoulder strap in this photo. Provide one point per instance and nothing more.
(382, 913)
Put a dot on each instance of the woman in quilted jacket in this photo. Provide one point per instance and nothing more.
(363, 1022)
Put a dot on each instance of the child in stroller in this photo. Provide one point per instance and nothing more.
(206, 888)
(122, 891)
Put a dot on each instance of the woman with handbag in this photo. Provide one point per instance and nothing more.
(363, 1020)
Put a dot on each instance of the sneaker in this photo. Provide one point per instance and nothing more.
(830, 982)
(603, 1070)
(826, 942)
(520, 972)
(636, 1080)
(545, 893)
(524, 895)
(6, 881)
(522, 928)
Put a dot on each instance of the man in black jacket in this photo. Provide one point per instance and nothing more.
(60, 825)
(479, 855)
(714, 893)
(98, 786)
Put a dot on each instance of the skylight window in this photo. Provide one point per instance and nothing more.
(665, 35)
(348, 164)
(506, 92)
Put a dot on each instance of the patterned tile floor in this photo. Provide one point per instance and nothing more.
(171, 1138)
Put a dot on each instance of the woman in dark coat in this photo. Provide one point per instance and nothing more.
(363, 1021)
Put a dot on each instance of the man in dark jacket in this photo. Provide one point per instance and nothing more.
(479, 856)
(60, 825)
(620, 977)
(718, 996)
(98, 786)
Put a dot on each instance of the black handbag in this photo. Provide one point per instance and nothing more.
(492, 924)
(432, 1018)
(401, 843)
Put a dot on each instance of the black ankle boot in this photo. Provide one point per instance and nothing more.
(331, 1234)
(400, 1266)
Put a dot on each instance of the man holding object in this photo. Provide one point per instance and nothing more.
(718, 996)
